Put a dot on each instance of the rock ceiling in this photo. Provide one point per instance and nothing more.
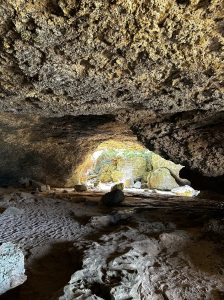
(155, 65)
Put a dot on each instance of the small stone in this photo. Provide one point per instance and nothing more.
(113, 198)
(137, 185)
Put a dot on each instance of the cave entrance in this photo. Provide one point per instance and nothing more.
(130, 164)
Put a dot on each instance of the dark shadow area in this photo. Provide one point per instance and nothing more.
(83, 220)
(2, 209)
(11, 295)
(34, 161)
(48, 270)
(101, 290)
(200, 182)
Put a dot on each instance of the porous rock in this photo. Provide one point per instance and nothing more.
(128, 264)
(161, 179)
(12, 272)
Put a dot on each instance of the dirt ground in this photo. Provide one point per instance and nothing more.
(153, 248)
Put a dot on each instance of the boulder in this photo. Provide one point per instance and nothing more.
(118, 186)
(113, 198)
(161, 179)
(186, 191)
(137, 185)
(158, 162)
(80, 188)
(12, 272)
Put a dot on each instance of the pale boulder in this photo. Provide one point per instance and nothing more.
(161, 179)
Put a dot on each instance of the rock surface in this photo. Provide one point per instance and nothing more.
(80, 188)
(12, 272)
(160, 253)
(113, 198)
(130, 265)
(65, 57)
(157, 66)
(161, 179)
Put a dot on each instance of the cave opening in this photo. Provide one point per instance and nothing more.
(130, 166)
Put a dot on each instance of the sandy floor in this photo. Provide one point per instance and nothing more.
(145, 253)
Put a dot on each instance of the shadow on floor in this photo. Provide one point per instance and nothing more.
(49, 269)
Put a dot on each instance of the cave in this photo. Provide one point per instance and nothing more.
(111, 150)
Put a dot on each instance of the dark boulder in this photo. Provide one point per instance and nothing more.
(80, 188)
(113, 198)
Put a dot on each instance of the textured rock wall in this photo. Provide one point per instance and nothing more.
(195, 138)
(62, 56)
(156, 65)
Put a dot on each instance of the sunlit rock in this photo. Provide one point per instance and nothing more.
(129, 182)
(12, 272)
(161, 179)
(137, 185)
(118, 186)
(186, 190)
(157, 162)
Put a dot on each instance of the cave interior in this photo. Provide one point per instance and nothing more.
(111, 150)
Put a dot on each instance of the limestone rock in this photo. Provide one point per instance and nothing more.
(117, 175)
(112, 219)
(72, 70)
(158, 162)
(129, 264)
(12, 272)
(161, 179)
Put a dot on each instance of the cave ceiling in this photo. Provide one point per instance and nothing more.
(155, 65)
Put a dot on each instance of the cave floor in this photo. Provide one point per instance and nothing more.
(149, 248)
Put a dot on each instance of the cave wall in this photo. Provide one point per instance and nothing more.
(50, 149)
(195, 138)
(155, 65)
